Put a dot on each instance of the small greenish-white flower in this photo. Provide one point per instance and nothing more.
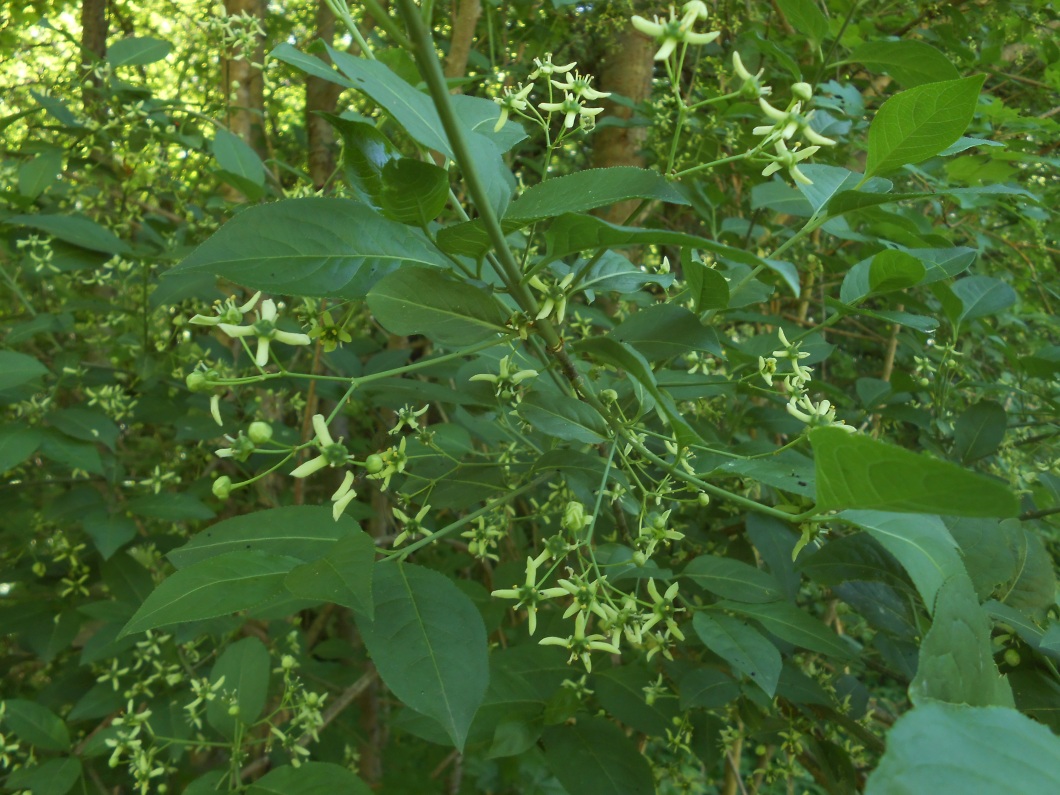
(394, 461)
(584, 597)
(752, 83)
(815, 414)
(410, 526)
(786, 123)
(228, 312)
(554, 295)
(580, 86)
(574, 519)
(547, 68)
(506, 382)
(332, 453)
(408, 417)
(343, 496)
(512, 100)
(786, 158)
(669, 33)
(580, 645)
(571, 109)
(265, 330)
(663, 609)
(766, 368)
(529, 595)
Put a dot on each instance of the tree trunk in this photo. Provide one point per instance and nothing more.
(94, 43)
(244, 84)
(321, 95)
(465, 18)
(627, 70)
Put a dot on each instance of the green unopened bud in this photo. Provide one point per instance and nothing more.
(639, 558)
(222, 487)
(803, 91)
(259, 432)
(373, 463)
(197, 382)
(703, 498)
(1012, 657)
(608, 395)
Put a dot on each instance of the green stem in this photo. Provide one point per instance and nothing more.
(15, 289)
(451, 528)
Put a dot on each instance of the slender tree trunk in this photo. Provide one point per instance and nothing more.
(244, 84)
(465, 18)
(321, 95)
(627, 70)
(94, 28)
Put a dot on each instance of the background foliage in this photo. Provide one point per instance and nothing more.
(542, 359)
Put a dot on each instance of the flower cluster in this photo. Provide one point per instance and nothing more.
(577, 90)
(668, 33)
(799, 404)
(229, 315)
(786, 124)
(506, 382)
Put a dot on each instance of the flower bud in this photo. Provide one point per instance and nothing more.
(222, 487)
(373, 464)
(197, 382)
(639, 558)
(1012, 657)
(803, 91)
(703, 498)
(259, 432)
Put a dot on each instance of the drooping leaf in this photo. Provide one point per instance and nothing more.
(245, 666)
(137, 51)
(236, 156)
(981, 296)
(414, 192)
(36, 724)
(428, 642)
(592, 756)
(665, 330)
(855, 471)
(17, 443)
(53, 776)
(919, 123)
(426, 301)
(940, 747)
(309, 778)
(75, 229)
(911, 63)
(311, 246)
(741, 646)
(922, 544)
(213, 587)
(37, 175)
(564, 418)
(88, 425)
(365, 151)
(342, 575)
(620, 690)
(789, 623)
(589, 190)
(707, 688)
(956, 656)
(979, 431)
(707, 288)
(732, 579)
(305, 532)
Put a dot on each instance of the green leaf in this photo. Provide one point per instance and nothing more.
(620, 691)
(789, 623)
(663, 331)
(853, 558)
(18, 368)
(922, 544)
(732, 579)
(73, 455)
(742, 647)
(309, 778)
(428, 642)
(309, 64)
(615, 273)
(137, 51)
(343, 575)
(894, 270)
(636, 366)
(414, 192)
(88, 425)
(911, 63)
(36, 725)
(805, 17)
(592, 756)
(979, 431)
(17, 443)
(956, 656)
(981, 296)
(854, 471)
(707, 287)
(311, 246)
(564, 418)
(75, 229)
(919, 123)
(37, 175)
(365, 151)
(214, 587)
(305, 532)
(237, 157)
(245, 666)
(430, 302)
(830, 181)
(54, 777)
(946, 748)
(589, 190)
(708, 689)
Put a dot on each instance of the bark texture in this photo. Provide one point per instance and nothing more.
(466, 14)
(321, 95)
(94, 28)
(244, 85)
(627, 70)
